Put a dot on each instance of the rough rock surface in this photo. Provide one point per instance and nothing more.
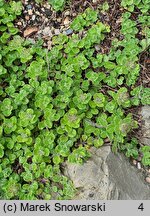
(107, 176)
(146, 125)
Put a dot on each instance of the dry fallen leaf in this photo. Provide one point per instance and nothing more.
(29, 31)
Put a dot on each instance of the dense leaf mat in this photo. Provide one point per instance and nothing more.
(55, 105)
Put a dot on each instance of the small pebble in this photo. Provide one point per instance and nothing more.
(29, 7)
(148, 179)
(95, 1)
(66, 21)
(52, 29)
(54, 19)
(46, 31)
(27, 17)
(37, 12)
(149, 170)
(74, 14)
(67, 13)
(43, 17)
(139, 165)
(30, 12)
(59, 20)
(33, 17)
(134, 162)
(19, 23)
(23, 23)
(26, 1)
(57, 31)
(47, 6)
(46, 20)
(68, 31)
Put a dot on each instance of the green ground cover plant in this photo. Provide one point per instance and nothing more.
(57, 5)
(55, 105)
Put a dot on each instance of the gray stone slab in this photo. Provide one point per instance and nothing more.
(129, 180)
(107, 176)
